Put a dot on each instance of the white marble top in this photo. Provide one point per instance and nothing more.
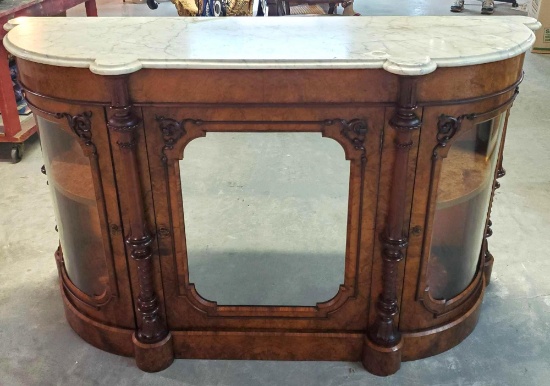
(401, 45)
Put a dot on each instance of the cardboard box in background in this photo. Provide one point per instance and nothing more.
(540, 10)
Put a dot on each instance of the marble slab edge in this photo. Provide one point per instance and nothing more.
(406, 65)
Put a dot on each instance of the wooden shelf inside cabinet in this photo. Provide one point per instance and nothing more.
(72, 178)
(464, 174)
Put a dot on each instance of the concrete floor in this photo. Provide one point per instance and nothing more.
(510, 346)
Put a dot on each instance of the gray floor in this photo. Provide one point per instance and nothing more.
(510, 346)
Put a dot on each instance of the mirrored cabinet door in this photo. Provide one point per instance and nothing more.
(265, 218)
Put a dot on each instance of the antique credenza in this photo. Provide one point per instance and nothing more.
(419, 105)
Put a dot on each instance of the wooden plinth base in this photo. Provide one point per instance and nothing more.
(350, 346)
(379, 360)
(426, 343)
(153, 357)
(107, 338)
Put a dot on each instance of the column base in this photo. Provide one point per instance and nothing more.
(379, 360)
(153, 357)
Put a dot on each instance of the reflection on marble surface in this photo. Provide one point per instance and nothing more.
(399, 44)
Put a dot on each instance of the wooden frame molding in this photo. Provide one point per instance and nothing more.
(350, 134)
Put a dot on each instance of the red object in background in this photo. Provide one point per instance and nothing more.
(12, 130)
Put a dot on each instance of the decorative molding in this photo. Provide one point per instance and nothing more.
(447, 127)
(81, 125)
(406, 145)
(440, 307)
(122, 120)
(172, 130)
(354, 131)
(363, 104)
(127, 145)
(96, 302)
(405, 119)
(489, 231)
(346, 133)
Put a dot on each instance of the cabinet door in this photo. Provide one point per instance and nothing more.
(90, 257)
(460, 161)
(462, 202)
(255, 229)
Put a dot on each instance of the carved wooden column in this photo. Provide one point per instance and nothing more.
(382, 349)
(152, 340)
(500, 172)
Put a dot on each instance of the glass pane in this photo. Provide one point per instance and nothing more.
(461, 211)
(70, 180)
(265, 217)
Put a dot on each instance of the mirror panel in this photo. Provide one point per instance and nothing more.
(265, 217)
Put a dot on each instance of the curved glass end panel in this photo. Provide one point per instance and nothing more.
(464, 191)
(71, 183)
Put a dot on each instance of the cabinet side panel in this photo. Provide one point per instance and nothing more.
(62, 83)
(456, 83)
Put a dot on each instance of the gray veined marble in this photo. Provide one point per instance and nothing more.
(402, 45)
